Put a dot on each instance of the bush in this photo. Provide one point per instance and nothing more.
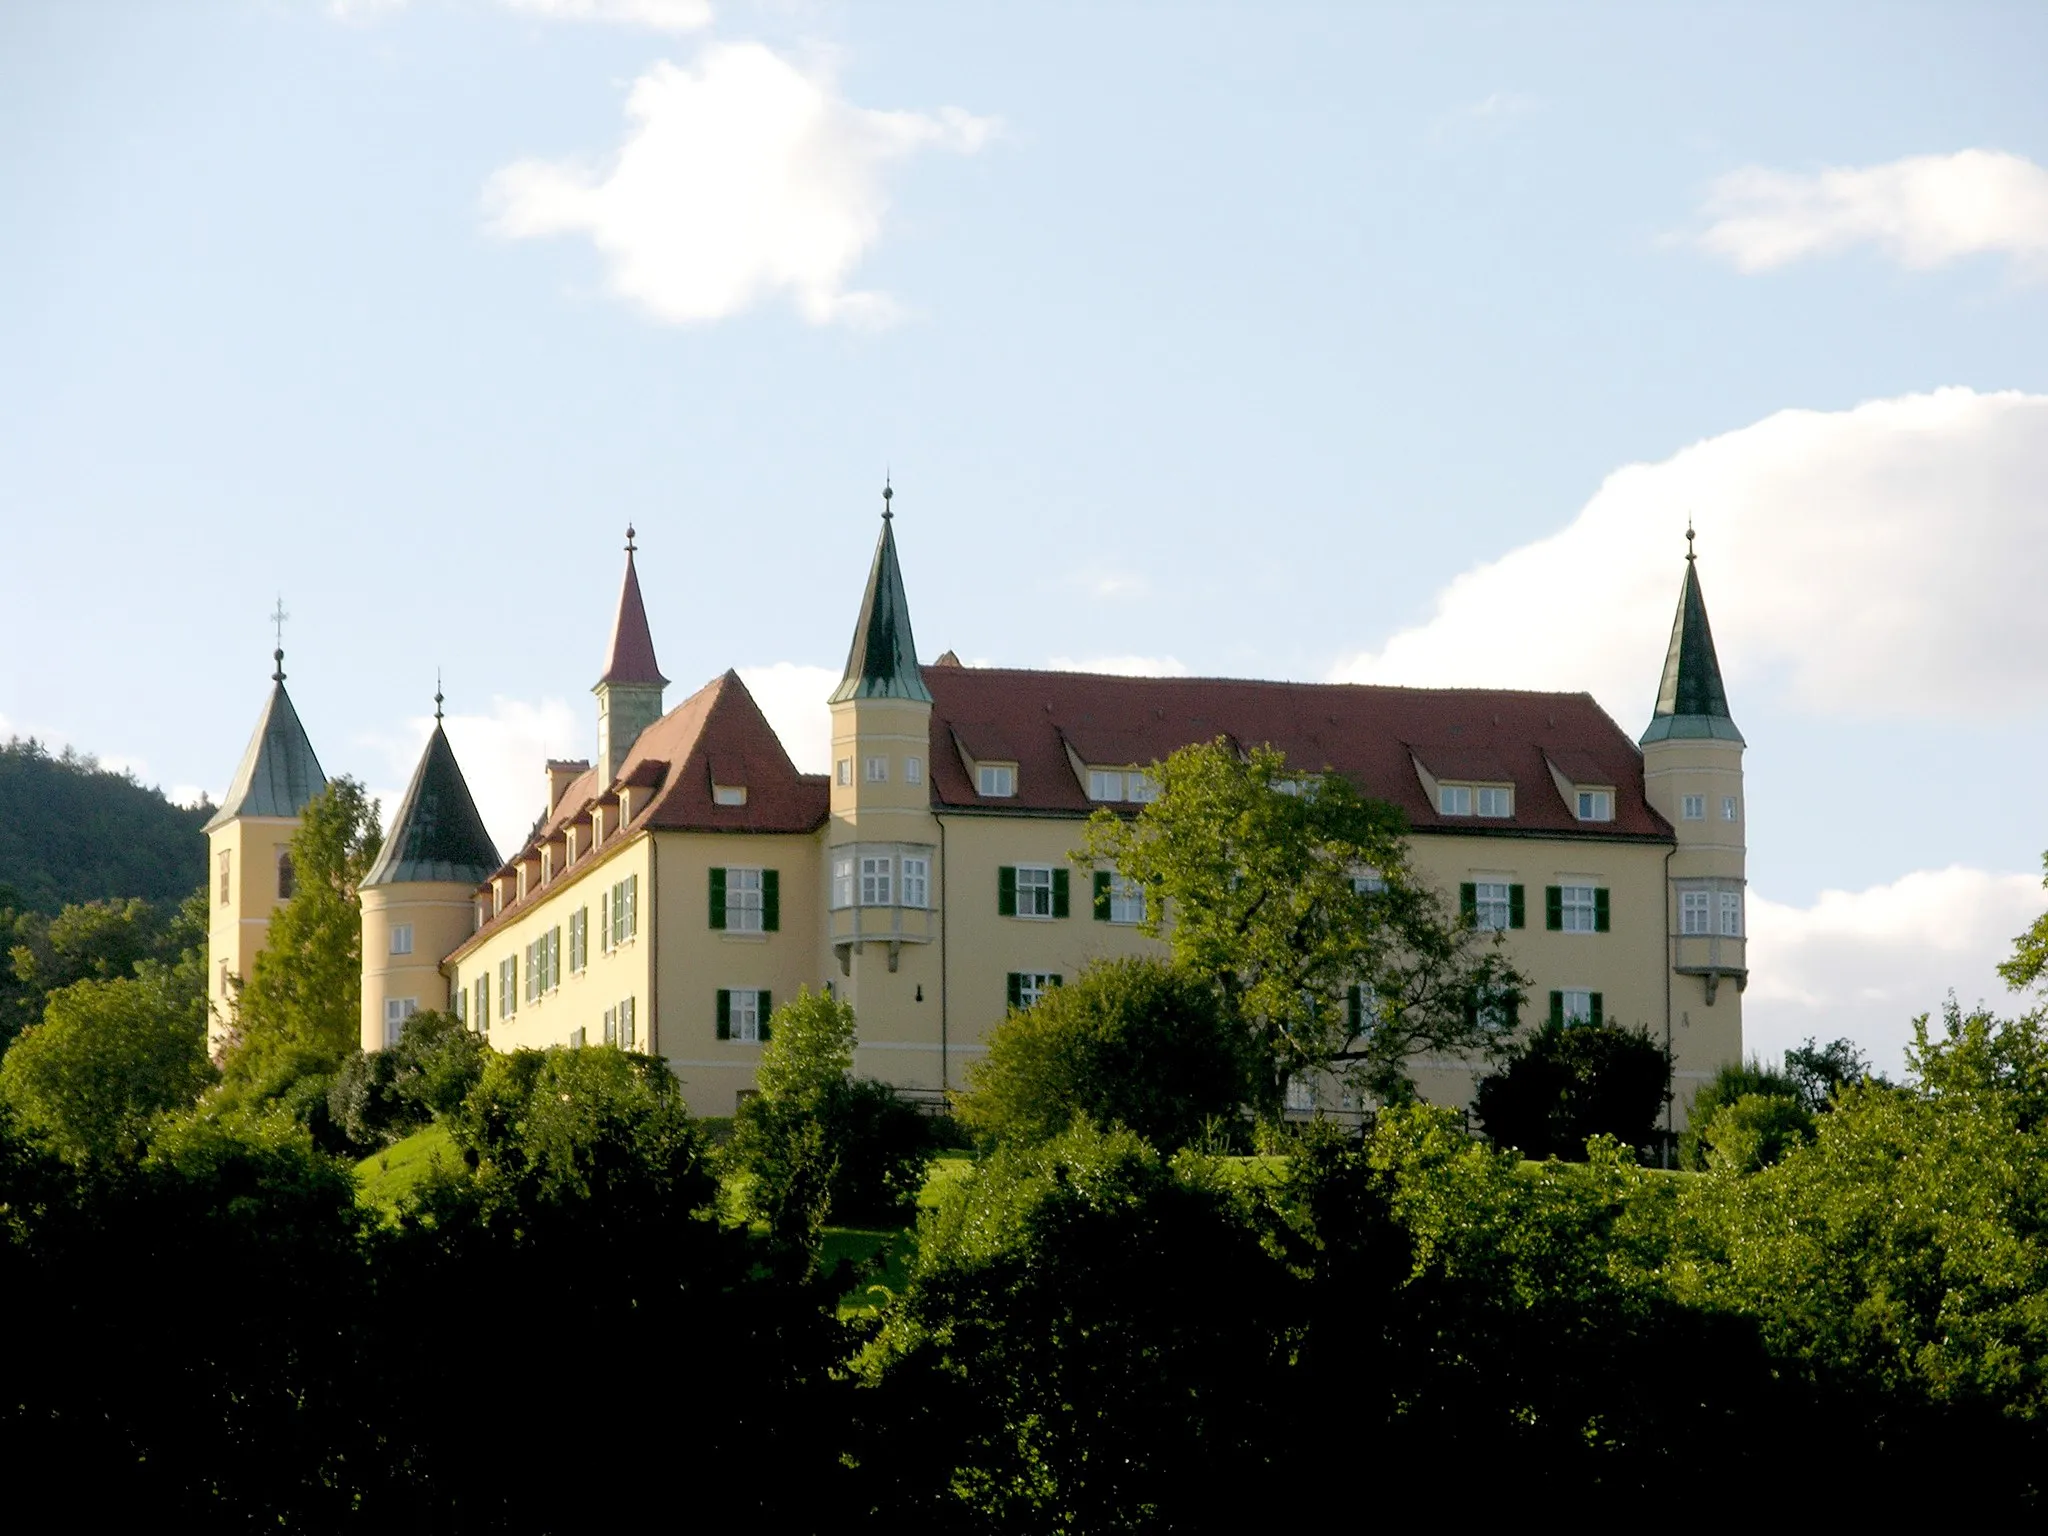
(1134, 1043)
(1734, 1081)
(1570, 1082)
(379, 1096)
(1754, 1132)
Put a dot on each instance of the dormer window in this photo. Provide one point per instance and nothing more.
(625, 805)
(522, 880)
(996, 780)
(1493, 800)
(547, 865)
(596, 826)
(1121, 784)
(728, 794)
(1454, 800)
(1596, 805)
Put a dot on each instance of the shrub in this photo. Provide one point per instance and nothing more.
(1754, 1132)
(1734, 1081)
(379, 1096)
(1570, 1082)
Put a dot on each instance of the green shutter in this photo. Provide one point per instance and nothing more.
(1006, 906)
(1517, 907)
(1059, 892)
(1057, 981)
(1354, 1002)
(763, 1007)
(1599, 1014)
(1102, 895)
(771, 901)
(1471, 1010)
(724, 1014)
(1468, 902)
(1600, 909)
(1553, 908)
(1016, 984)
(1557, 1010)
(718, 895)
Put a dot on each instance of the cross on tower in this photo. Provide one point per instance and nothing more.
(277, 617)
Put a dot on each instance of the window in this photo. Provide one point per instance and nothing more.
(1596, 805)
(742, 900)
(1495, 801)
(874, 879)
(483, 1002)
(224, 876)
(1575, 1006)
(878, 770)
(579, 939)
(401, 938)
(1731, 914)
(913, 770)
(728, 794)
(1121, 784)
(842, 880)
(1028, 987)
(1105, 785)
(1453, 800)
(1575, 908)
(287, 878)
(1694, 808)
(743, 1014)
(917, 880)
(1694, 909)
(1301, 1094)
(396, 1011)
(621, 1028)
(1491, 904)
(1141, 787)
(1369, 882)
(997, 780)
(508, 986)
(843, 771)
(1118, 898)
(577, 1036)
(1034, 890)
(461, 1002)
(1728, 808)
(618, 913)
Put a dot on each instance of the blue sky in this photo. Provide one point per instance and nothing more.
(1283, 341)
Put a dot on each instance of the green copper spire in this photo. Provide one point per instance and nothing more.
(882, 663)
(1691, 702)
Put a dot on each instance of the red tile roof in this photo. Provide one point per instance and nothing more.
(1371, 735)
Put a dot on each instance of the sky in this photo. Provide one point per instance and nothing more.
(1306, 341)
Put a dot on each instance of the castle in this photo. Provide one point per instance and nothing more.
(689, 876)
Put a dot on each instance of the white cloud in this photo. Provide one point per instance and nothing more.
(1122, 666)
(741, 177)
(501, 754)
(1923, 211)
(661, 15)
(793, 696)
(1105, 581)
(1880, 561)
(1864, 963)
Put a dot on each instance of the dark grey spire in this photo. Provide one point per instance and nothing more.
(1691, 701)
(882, 663)
(436, 833)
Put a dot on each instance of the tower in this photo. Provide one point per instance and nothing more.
(629, 693)
(882, 855)
(1692, 775)
(419, 898)
(248, 844)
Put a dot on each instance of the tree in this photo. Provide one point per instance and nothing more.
(1292, 894)
(1820, 1072)
(815, 1141)
(1133, 1043)
(2029, 962)
(1734, 1081)
(1570, 1082)
(299, 1016)
(379, 1096)
(107, 1059)
(99, 940)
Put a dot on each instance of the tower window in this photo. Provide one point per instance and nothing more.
(1694, 912)
(401, 939)
(396, 1011)
(843, 771)
(1596, 805)
(917, 880)
(913, 771)
(842, 880)
(875, 873)
(287, 881)
(1728, 808)
(878, 770)
(1695, 808)
(224, 876)
(996, 780)
(1731, 914)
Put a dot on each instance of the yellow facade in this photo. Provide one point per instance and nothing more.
(247, 860)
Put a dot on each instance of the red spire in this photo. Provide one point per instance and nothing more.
(632, 643)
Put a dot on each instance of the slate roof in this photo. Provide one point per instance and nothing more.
(436, 833)
(882, 661)
(1374, 736)
(632, 657)
(1691, 700)
(279, 774)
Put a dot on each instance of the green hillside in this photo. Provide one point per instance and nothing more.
(72, 831)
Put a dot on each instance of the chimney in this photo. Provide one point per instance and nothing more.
(561, 774)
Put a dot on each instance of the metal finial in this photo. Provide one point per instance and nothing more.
(629, 538)
(887, 495)
(437, 695)
(1688, 536)
(277, 617)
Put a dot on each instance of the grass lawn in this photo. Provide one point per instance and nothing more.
(384, 1178)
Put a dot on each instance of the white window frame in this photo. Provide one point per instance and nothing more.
(995, 781)
(1731, 808)
(1493, 899)
(1596, 805)
(1032, 986)
(728, 794)
(401, 938)
(843, 771)
(1126, 900)
(1496, 801)
(1577, 1005)
(1693, 808)
(1454, 799)
(508, 987)
(1140, 788)
(743, 899)
(579, 940)
(842, 881)
(1105, 784)
(1369, 882)
(877, 770)
(749, 1031)
(396, 1011)
(913, 770)
(1301, 1094)
(1730, 914)
(1578, 908)
(1038, 890)
(915, 886)
(1695, 913)
(877, 879)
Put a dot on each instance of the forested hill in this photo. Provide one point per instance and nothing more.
(72, 831)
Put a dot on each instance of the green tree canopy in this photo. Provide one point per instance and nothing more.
(1134, 1043)
(1286, 889)
(1570, 1082)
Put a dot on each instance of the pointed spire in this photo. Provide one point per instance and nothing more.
(279, 774)
(436, 833)
(1691, 700)
(632, 658)
(882, 663)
